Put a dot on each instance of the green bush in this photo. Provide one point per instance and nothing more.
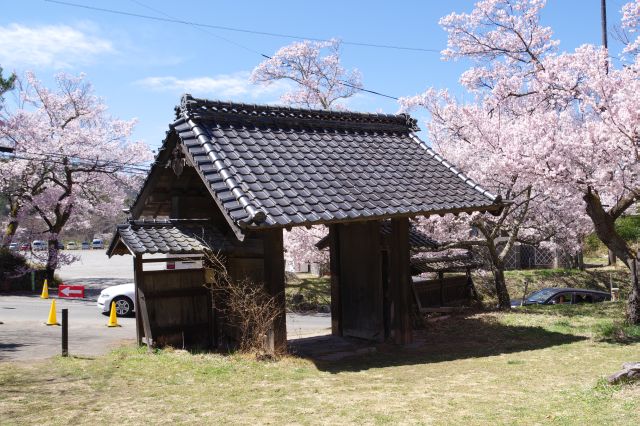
(593, 245)
(10, 262)
(628, 227)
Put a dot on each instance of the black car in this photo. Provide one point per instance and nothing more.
(562, 296)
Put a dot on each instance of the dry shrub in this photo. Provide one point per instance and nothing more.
(246, 305)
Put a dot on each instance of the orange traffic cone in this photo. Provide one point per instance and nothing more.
(45, 291)
(113, 318)
(52, 314)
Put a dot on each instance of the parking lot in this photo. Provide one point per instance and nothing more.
(24, 335)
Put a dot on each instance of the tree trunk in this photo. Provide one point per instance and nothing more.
(504, 301)
(12, 226)
(52, 259)
(604, 225)
(612, 259)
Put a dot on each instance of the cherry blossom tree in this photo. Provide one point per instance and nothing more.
(71, 161)
(319, 81)
(583, 110)
(300, 244)
(488, 147)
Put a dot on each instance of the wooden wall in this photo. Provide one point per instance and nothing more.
(178, 308)
(447, 291)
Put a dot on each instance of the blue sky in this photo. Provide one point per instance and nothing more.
(141, 67)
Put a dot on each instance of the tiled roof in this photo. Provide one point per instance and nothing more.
(453, 263)
(280, 167)
(169, 236)
(418, 241)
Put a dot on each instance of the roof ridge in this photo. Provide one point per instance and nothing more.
(191, 107)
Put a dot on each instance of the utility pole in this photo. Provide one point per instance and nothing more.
(603, 20)
(603, 24)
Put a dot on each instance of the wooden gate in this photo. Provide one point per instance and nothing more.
(174, 308)
(361, 281)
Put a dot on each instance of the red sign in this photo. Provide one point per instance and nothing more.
(71, 291)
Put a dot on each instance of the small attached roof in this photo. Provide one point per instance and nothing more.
(450, 263)
(171, 236)
(418, 241)
(270, 166)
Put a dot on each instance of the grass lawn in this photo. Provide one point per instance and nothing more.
(538, 365)
(312, 290)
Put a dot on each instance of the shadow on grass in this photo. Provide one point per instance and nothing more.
(314, 290)
(454, 339)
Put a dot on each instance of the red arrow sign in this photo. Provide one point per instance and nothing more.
(71, 291)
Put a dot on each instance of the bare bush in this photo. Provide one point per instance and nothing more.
(246, 305)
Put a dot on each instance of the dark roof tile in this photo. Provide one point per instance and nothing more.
(169, 236)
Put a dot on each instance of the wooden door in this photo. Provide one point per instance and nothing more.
(361, 281)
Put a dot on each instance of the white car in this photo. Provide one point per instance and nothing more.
(38, 245)
(72, 245)
(97, 244)
(123, 295)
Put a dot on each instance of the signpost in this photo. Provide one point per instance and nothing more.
(70, 291)
(65, 332)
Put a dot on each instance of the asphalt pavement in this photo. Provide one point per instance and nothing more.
(24, 335)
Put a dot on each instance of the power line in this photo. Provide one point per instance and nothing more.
(204, 30)
(103, 168)
(202, 27)
(240, 30)
(343, 82)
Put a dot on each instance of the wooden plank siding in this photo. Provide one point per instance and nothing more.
(446, 291)
(360, 281)
(178, 307)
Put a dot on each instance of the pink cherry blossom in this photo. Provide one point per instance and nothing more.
(71, 161)
(319, 81)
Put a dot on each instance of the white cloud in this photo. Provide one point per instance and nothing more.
(50, 46)
(225, 86)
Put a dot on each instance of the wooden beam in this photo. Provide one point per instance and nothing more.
(144, 315)
(399, 277)
(334, 265)
(274, 283)
(170, 259)
(137, 279)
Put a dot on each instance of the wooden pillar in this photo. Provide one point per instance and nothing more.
(441, 282)
(334, 264)
(137, 278)
(274, 283)
(399, 276)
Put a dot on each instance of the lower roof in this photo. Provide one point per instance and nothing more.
(173, 236)
(447, 263)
